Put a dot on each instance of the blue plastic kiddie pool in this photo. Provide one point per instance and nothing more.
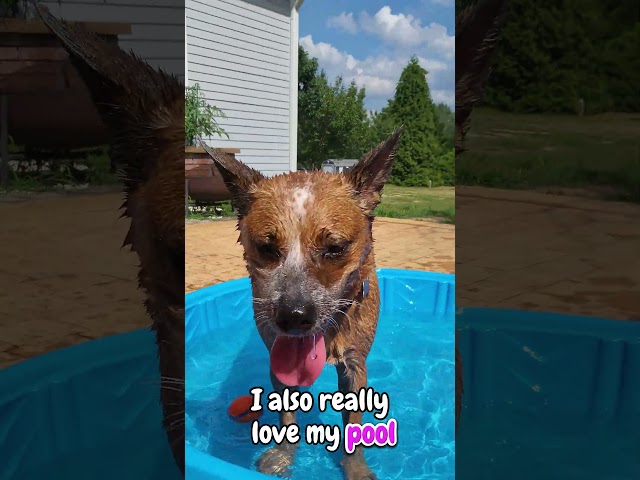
(412, 360)
(88, 412)
(92, 411)
(548, 396)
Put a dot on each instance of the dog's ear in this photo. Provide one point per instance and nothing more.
(144, 110)
(239, 178)
(373, 170)
(477, 33)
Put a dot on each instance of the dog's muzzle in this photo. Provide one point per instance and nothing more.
(295, 315)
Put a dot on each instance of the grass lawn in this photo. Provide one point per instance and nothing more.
(518, 151)
(397, 202)
(418, 202)
(220, 209)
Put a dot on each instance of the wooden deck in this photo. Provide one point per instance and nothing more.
(203, 182)
(44, 102)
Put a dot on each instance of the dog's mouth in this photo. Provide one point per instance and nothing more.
(298, 360)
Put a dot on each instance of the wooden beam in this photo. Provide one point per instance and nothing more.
(202, 150)
(186, 197)
(4, 140)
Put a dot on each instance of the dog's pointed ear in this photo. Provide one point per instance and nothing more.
(239, 178)
(477, 33)
(370, 174)
(144, 110)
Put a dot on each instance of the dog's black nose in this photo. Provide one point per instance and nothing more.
(296, 317)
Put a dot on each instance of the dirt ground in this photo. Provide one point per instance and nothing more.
(66, 280)
(64, 277)
(555, 253)
(213, 254)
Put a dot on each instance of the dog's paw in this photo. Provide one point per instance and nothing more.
(355, 468)
(276, 461)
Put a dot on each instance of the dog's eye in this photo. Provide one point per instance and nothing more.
(269, 250)
(335, 250)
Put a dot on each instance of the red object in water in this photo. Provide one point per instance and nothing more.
(240, 410)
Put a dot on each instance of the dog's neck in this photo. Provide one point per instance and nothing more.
(364, 261)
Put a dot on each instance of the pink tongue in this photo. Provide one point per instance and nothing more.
(294, 362)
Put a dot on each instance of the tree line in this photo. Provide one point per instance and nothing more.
(334, 123)
(567, 56)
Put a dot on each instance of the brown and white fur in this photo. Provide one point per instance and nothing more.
(477, 33)
(308, 246)
(144, 111)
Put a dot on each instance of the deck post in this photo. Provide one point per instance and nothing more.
(4, 140)
(186, 197)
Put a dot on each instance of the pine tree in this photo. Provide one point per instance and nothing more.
(419, 157)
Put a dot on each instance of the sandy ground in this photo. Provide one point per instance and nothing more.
(64, 278)
(556, 253)
(213, 254)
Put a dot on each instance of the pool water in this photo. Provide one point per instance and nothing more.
(411, 360)
(491, 449)
(91, 411)
(131, 457)
(548, 396)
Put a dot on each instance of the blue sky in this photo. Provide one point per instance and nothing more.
(371, 41)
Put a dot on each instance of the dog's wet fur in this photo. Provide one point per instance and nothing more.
(144, 110)
(478, 29)
(314, 227)
(308, 247)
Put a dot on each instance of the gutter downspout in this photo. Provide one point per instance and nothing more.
(186, 56)
(293, 85)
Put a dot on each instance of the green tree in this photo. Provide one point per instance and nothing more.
(382, 123)
(420, 156)
(332, 120)
(446, 125)
(552, 54)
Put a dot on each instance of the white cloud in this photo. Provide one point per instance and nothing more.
(443, 96)
(344, 21)
(402, 35)
(405, 30)
(433, 66)
(379, 74)
(328, 56)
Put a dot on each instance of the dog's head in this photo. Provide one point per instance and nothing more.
(306, 236)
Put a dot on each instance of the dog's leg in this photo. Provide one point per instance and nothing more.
(352, 379)
(279, 459)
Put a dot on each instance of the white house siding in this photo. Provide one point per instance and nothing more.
(240, 53)
(157, 26)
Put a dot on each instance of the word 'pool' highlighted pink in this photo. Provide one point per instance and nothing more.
(382, 434)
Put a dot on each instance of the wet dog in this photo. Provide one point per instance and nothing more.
(144, 110)
(308, 246)
(478, 29)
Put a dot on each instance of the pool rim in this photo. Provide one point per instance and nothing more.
(501, 319)
(60, 364)
(202, 466)
(232, 285)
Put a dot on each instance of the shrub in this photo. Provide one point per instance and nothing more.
(199, 116)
